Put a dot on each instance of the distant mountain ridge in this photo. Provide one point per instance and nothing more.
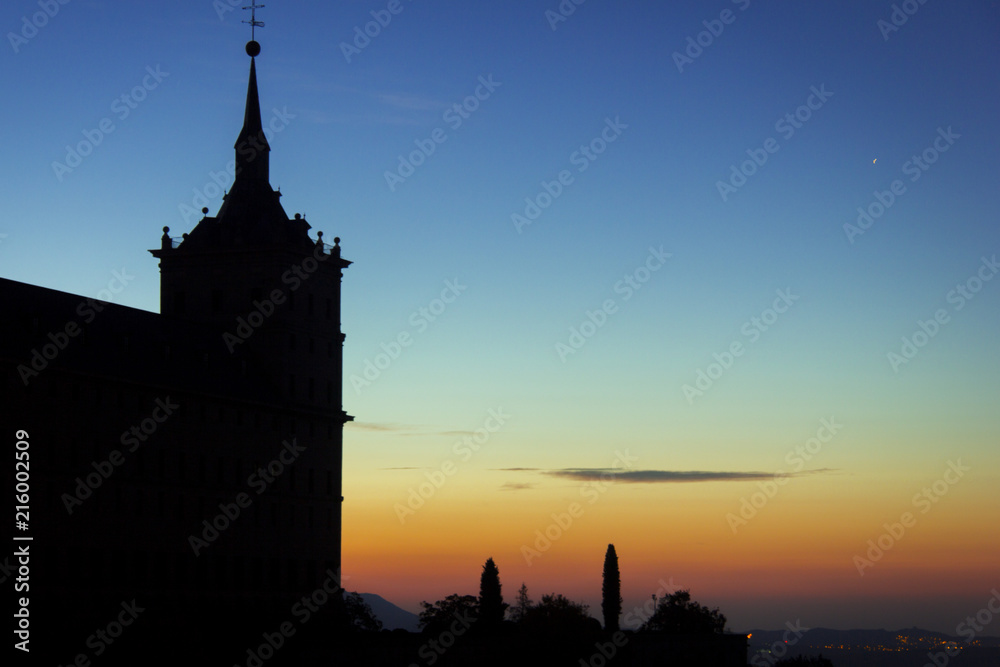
(392, 617)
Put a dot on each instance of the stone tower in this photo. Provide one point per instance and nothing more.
(271, 292)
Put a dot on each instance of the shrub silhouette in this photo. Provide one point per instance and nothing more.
(678, 614)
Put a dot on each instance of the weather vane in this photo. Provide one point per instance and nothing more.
(254, 23)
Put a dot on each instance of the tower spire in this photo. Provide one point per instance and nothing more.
(251, 146)
(252, 149)
(251, 214)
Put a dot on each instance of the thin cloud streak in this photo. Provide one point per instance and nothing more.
(670, 476)
(405, 429)
(511, 486)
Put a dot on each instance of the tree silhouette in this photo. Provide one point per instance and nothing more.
(611, 591)
(491, 604)
(559, 615)
(522, 604)
(438, 617)
(360, 614)
(677, 613)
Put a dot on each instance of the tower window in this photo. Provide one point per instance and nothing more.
(217, 301)
(310, 302)
(329, 308)
(179, 304)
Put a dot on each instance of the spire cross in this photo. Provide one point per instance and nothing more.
(254, 23)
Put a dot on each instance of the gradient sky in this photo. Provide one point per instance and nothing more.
(342, 125)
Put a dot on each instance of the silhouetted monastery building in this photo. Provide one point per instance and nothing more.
(149, 432)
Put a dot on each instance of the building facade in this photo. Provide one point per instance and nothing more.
(189, 462)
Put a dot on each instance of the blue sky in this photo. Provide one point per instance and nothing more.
(343, 125)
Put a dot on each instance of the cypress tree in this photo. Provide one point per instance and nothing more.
(611, 598)
(491, 604)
